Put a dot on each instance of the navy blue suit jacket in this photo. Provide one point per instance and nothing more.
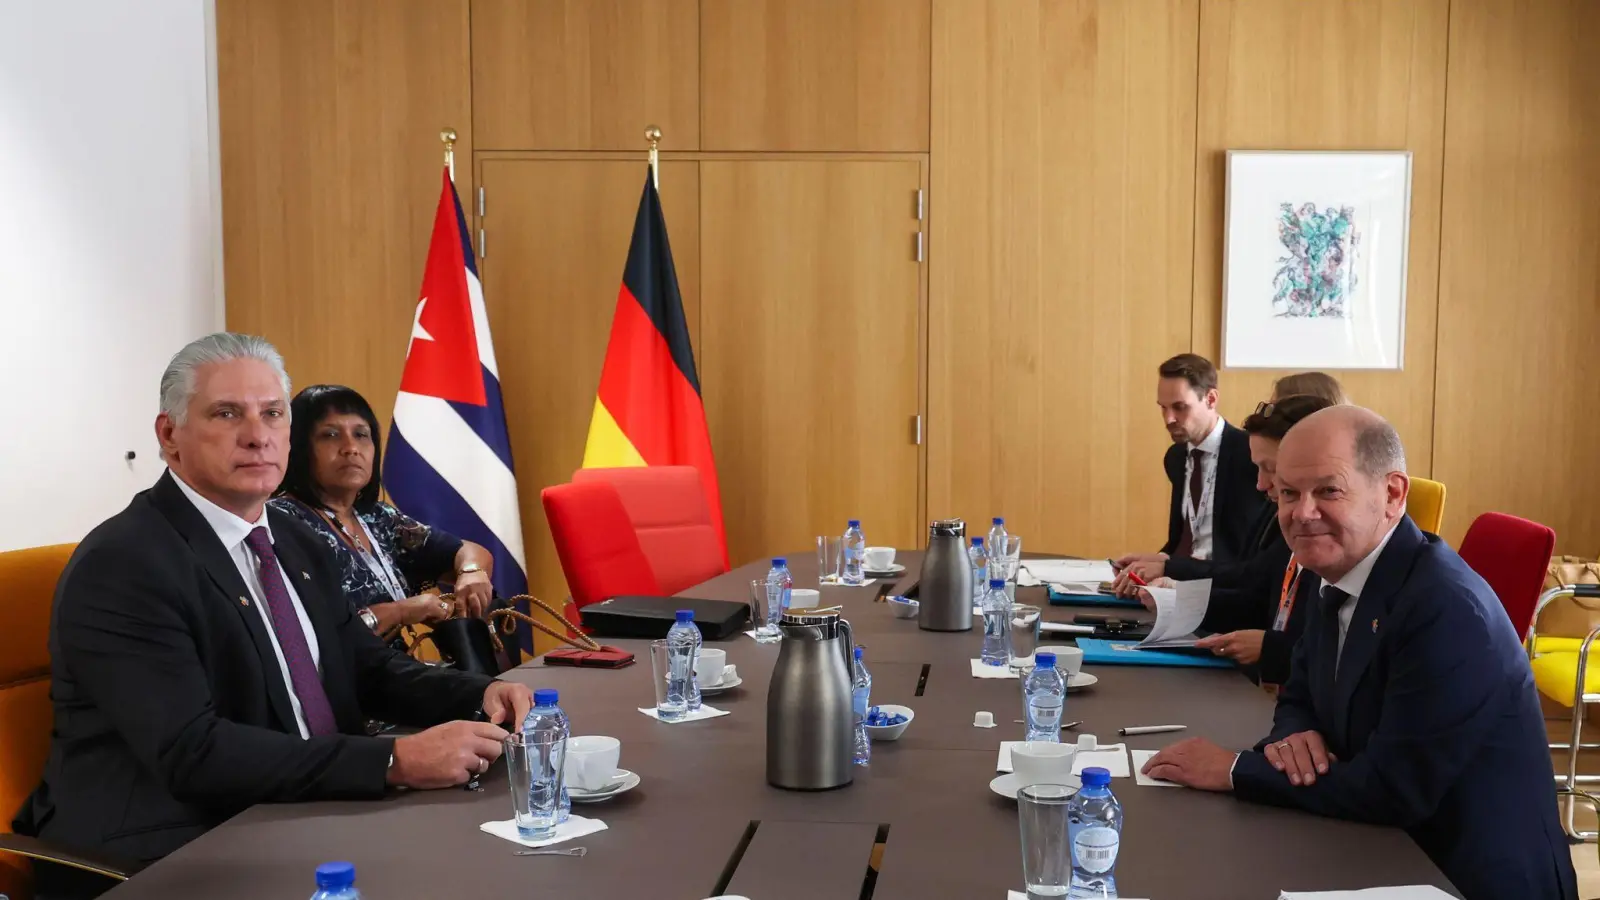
(1435, 721)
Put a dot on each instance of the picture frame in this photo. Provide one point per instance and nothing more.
(1315, 247)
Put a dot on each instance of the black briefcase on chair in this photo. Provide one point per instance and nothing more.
(651, 617)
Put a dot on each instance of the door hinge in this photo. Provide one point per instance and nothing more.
(482, 250)
(919, 205)
(480, 202)
(916, 430)
(919, 246)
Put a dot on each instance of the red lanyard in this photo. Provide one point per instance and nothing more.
(1291, 583)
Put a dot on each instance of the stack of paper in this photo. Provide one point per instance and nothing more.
(1413, 892)
(1179, 612)
(1070, 575)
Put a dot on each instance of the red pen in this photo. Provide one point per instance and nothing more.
(1134, 577)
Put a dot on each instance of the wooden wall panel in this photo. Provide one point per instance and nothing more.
(330, 120)
(1520, 284)
(815, 75)
(1353, 75)
(558, 233)
(1062, 231)
(809, 360)
(585, 74)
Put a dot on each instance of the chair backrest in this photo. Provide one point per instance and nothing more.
(667, 506)
(599, 552)
(27, 585)
(1425, 504)
(1513, 555)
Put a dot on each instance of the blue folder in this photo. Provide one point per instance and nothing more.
(1121, 653)
(1058, 598)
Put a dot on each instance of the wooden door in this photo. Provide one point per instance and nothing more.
(556, 234)
(810, 328)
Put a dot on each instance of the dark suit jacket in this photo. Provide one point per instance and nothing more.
(1244, 596)
(1435, 721)
(1235, 501)
(171, 712)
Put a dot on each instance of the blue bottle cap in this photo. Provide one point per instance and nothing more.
(779, 562)
(858, 651)
(336, 875)
(997, 584)
(685, 616)
(977, 542)
(1095, 776)
(1044, 660)
(546, 697)
(999, 520)
(854, 523)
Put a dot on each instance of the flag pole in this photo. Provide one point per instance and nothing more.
(448, 137)
(653, 135)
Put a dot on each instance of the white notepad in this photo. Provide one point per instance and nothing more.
(1111, 757)
(1140, 757)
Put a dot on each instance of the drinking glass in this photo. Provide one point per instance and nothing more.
(1046, 843)
(1024, 634)
(764, 613)
(660, 671)
(829, 551)
(1010, 559)
(536, 764)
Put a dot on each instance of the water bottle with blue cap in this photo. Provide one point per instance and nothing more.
(1094, 825)
(1045, 693)
(336, 881)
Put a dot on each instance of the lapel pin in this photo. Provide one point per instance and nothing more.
(306, 575)
(1374, 626)
(244, 601)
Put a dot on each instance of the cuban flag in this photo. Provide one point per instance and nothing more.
(448, 462)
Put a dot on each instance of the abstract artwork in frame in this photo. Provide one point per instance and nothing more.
(1314, 275)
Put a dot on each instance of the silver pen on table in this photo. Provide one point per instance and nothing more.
(1150, 729)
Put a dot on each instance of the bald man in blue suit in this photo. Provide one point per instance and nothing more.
(1409, 701)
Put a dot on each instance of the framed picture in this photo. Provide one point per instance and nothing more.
(1314, 273)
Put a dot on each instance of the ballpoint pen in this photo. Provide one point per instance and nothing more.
(1150, 729)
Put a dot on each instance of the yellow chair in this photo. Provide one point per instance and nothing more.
(1563, 672)
(1425, 504)
(27, 585)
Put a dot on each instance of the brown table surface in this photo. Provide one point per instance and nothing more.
(704, 816)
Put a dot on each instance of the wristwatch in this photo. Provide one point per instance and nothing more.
(369, 619)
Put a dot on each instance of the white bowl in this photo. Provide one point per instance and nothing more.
(904, 609)
(891, 732)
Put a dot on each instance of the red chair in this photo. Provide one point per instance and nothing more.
(668, 509)
(600, 554)
(1513, 555)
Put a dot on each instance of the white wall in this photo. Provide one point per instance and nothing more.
(110, 246)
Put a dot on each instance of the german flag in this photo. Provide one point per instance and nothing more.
(648, 411)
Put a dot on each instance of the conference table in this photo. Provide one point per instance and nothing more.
(704, 820)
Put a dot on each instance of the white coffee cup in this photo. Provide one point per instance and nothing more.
(804, 598)
(1042, 762)
(709, 671)
(1068, 659)
(591, 761)
(879, 559)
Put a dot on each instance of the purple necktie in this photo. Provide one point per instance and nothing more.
(307, 685)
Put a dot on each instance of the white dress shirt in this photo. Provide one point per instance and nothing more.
(1200, 518)
(1353, 582)
(232, 530)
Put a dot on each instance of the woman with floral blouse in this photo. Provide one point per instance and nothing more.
(385, 556)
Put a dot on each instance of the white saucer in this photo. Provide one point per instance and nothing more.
(1080, 681)
(894, 569)
(621, 783)
(723, 685)
(1008, 784)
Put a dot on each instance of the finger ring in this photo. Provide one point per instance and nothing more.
(483, 765)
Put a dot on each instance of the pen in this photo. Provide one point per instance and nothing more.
(1134, 577)
(1150, 729)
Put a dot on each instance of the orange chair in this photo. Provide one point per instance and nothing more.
(668, 509)
(27, 585)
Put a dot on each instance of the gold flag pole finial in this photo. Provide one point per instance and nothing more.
(653, 135)
(448, 137)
